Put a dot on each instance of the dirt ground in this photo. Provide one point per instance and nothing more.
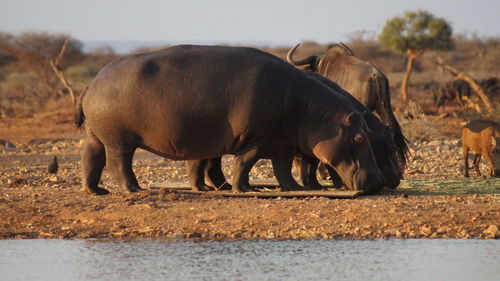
(432, 202)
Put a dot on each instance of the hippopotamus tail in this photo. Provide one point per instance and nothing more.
(79, 116)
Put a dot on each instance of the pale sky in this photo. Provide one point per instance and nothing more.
(234, 21)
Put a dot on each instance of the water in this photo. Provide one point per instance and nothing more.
(250, 260)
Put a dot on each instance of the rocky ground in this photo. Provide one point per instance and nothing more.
(434, 201)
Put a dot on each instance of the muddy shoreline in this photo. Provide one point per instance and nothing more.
(34, 204)
(434, 201)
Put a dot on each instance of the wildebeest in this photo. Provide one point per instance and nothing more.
(200, 102)
(491, 87)
(362, 80)
(378, 136)
(482, 137)
(456, 89)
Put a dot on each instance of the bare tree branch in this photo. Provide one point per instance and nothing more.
(56, 67)
(469, 79)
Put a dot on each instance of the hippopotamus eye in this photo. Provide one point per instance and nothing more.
(359, 139)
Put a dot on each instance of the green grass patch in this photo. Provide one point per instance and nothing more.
(452, 186)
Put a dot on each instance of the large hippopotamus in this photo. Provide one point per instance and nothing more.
(201, 102)
(380, 139)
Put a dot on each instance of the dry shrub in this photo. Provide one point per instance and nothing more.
(416, 125)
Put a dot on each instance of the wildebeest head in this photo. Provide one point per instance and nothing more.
(343, 144)
(310, 63)
(456, 89)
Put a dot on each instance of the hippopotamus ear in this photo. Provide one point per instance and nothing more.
(351, 119)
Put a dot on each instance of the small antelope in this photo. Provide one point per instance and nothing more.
(482, 137)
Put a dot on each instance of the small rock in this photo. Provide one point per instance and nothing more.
(426, 230)
(491, 231)
(145, 229)
(179, 235)
(434, 143)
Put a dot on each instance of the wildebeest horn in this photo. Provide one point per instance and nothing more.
(307, 61)
(342, 47)
(347, 48)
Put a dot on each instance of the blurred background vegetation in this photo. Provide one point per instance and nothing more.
(28, 86)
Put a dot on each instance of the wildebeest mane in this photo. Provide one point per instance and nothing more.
(399, 139)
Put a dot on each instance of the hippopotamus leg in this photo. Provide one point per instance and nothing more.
(242, 164)
(119, 162)
(195, 170)
(93, 160)
(282, 161)
(307, 170)
(334, 176)
(214, 174)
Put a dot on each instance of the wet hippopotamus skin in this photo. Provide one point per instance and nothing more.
(201, 102)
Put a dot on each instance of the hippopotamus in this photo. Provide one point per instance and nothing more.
(193, 102)
(383, 144)
(380, 138)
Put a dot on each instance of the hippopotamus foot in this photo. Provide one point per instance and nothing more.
(224, 186)
(242, 188)
(311, 183)
(214, 174)
(134, 188)
(120, 165)
(195, 171)
(96, 191)
(93, 160)
(314, 186)
(203, 187)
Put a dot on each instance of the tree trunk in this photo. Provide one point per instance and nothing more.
(412, 56)
(472, 82)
